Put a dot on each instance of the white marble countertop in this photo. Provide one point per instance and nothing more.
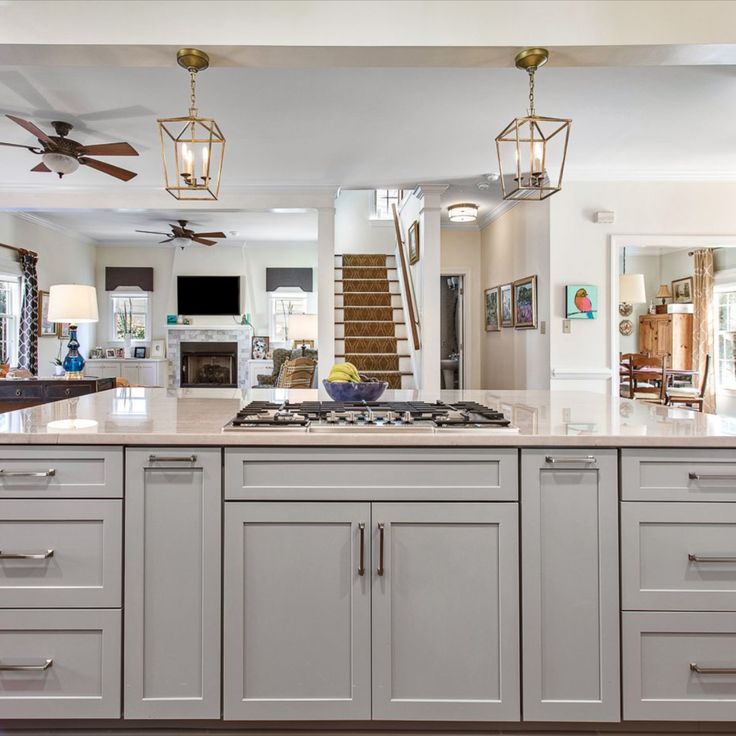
(155, 416)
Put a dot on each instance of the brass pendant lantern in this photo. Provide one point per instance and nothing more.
(532, 149)
(192, 147)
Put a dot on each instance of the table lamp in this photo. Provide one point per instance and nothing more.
(76, 304)
(302, 328)
(663, 293)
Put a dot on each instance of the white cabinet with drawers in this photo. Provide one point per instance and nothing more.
(150, 372)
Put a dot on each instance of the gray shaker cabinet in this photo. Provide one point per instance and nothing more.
(570, 586)
(172, 583)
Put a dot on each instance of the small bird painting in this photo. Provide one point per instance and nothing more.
(582, 301)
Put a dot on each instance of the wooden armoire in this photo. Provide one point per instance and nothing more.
(668, 336)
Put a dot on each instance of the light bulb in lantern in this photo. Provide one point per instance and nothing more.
(205, 163)
(537, 168)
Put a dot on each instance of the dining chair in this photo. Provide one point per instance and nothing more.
(691, 397)
(649, 378)
(625, 375)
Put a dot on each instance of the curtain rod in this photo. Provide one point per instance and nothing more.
(18, 250)
(692, 252)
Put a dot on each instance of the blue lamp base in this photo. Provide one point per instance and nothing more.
(74, 362)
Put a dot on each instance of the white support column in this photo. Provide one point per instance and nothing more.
(326, 290)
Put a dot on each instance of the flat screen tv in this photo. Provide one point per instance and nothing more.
(208, 295)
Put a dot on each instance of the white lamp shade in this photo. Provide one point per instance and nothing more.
(74, 303)
(303, 326)
(631, 289)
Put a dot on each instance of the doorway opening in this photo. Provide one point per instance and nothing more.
(452, 327)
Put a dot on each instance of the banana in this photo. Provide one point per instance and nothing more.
(343, 373)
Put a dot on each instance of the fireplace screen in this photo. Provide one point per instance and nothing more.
(209, 364)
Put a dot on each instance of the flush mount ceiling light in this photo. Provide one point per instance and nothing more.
(192, 148)
(463, 212)
(532, 149)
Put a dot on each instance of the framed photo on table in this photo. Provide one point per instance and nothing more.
(45, 328)
(158, 348)
(259, 347)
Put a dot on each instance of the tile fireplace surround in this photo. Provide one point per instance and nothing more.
(177, 335)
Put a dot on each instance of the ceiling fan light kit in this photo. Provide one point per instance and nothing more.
(181, 236)
(192, 147)
(532, 149)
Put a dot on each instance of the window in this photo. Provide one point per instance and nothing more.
(282, 305)
(9, 317)
(725, 326)
(136, 306)
(384, 198)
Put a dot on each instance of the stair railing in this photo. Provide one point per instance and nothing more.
(411, 303)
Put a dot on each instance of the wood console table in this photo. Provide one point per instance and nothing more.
(19, 393)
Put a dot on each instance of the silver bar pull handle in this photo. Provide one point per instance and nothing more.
(22, 556)
(172, 458)
(585, 459)
(27, 667)
(380, 569)
(694, 557)
(27, 473)
(710, 476)
(361, 564)
(694, 667)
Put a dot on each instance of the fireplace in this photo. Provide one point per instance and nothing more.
(209, 364)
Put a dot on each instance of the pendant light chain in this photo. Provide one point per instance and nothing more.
(532, 110)
(193, 93)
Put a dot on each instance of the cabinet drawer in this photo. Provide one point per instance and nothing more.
(678, 475)
(61, 472)
(386, 474)
(80, 651)
(21, 391)
(678, 556)
(60, 553)
(68, 390)
(661, 652)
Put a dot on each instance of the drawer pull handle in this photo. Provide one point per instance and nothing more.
(709, 558)
(586, 459)
(694, 667)
(27, 667)
(23, 556)
(27, 473)
(361, 564)
(380, 569)
(172, 458)
(716, 476)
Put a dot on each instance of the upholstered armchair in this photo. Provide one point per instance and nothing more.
(279, 356)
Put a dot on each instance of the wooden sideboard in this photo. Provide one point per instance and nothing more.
(668, 336)
(21, 393)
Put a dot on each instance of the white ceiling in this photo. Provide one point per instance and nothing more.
(379, 126)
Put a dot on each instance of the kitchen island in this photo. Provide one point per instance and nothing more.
(579, 568)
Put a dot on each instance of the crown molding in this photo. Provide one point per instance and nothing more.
(34, 219)
(496, 212)
(470, 226)
(605, 176)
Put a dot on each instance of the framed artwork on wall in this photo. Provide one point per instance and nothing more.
(62, 330)
(259, 347)
(45, 328)
(492, 309)
(581, 301)
(158, 348)
(525, 303)
(682, 290)
(507, 305)
(413, 239)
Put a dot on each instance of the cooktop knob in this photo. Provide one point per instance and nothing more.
(408, 418)
(332, 418)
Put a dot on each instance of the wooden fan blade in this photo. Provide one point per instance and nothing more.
(42, 167)
(32, 149)
(168, 240)
(210, 235)
(109, 169)
(109, 149)
(203, 241)
(33, 129)
(151, 232)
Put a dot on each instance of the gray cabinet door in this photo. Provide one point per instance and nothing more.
(569, 571)
(172, 583)
(445, 611)
(297, 611)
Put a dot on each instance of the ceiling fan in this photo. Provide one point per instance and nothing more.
(181, 235)
(62, 155)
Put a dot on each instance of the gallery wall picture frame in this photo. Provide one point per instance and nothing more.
(492, 308)
(413, 242)
(62, 330)
(158, 348)
(507, 305)
(581, 301)
(682, 290)
(259, 345)
(525, 303)
(45, 328)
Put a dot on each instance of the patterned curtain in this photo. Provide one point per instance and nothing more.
(28, 337)
(703, 321)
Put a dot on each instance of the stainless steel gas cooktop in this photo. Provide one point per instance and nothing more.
(371, 416)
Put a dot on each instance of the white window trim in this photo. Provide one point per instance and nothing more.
(717, 289)
(377, 221)
(136, 294)
(275, 296)
(15, 312)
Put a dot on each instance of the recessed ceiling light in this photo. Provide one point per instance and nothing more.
(463, 212)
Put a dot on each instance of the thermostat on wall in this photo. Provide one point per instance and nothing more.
(605, 217)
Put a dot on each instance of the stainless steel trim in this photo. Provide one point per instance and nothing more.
(172, 458)
(587, 459)
(714, 476)
(27, 667)
(380, 569)
(22, 556)
(709, 558)
(361, 564)
(694, 667)
(27, 473)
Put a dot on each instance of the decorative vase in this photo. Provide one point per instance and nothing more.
(128, 344)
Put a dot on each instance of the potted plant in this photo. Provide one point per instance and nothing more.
(58, 367)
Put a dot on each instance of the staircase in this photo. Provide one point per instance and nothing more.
(370, 330)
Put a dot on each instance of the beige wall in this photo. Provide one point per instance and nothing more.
(460, 254)
(514, 246)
